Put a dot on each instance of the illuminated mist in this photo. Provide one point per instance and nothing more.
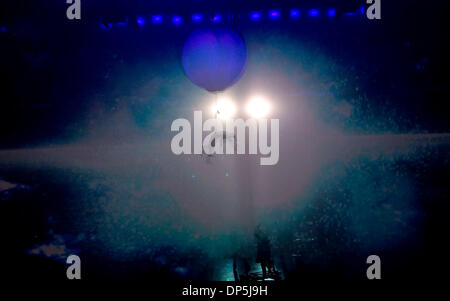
(128, 194)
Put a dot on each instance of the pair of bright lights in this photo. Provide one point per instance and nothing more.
(225, 108)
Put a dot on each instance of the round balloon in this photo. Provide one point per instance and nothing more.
(214, 59)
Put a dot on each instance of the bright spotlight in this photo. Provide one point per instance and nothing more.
(331, 13)
(258, 107)
(314, 13)
(216, 18)
(197, 18)
(295, 13)
(157, 19)
(255, 16)
(140, 21)
(274, 14)
(177, 20)
(224, 108)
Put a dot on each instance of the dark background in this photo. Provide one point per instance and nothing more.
(50, 68)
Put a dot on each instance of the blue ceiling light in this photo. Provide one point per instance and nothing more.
(122, 24)
(295, 13)
(177, 20)
(255, 16)
(197, 18)
(331, 13)
(274, 14)
(157, 19)
(313, 13)
(216, 18)
(140, 21)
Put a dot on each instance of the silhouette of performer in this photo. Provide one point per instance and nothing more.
(263, 254)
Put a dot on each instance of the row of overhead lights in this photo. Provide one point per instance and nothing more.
(218, 18)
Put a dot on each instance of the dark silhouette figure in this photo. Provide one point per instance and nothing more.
(241, 266)
(263, 254)
(235, 271)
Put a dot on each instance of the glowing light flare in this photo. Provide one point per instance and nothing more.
(197, 18)
(157, 19)
(224, 108)
(314, 13)
(177, 20)
(295, 13)
(331, 13)
(255, 16)
(140, 21)
(274, 14)
(258, 107)
(216, 18)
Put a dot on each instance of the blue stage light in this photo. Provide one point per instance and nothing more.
(197, 18)
(255, 16)
(157, 19)
(140, 21)
(331, 13)
(362, 10)
(216, 18)
(122, 24)
(295, 13)
(313, 12)
(177, 20)
(274, 14)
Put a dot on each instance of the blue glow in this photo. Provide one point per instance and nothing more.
(140, 21)
(197, 17)
(313, 12)
(331, 13)
(274, 14)
(295, 13)
(157, 19)
(255, 16)
(216, 18)
(177, 20)
(122, 24)
(362, 9)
